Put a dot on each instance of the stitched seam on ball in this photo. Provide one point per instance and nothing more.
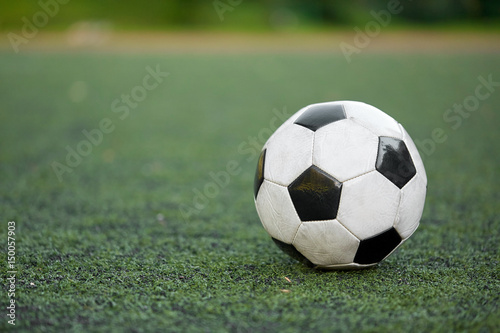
(396, 219)
(412, 231)
(296, 232)
(348, 230)
(359, 175)
(377, 135)
(275, 183)
(335, 219)
(358, 123)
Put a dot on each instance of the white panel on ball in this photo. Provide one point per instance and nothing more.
(411, 206)
(288, 154)
(373, 119)
(276, 211)
(415, 156)
(284, 126)
(345, 149)
(368, 205)
(326, 243)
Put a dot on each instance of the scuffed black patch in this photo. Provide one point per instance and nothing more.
(394, 161)
(259, 173)
(315, 195)
(320, 115)
(373, 250)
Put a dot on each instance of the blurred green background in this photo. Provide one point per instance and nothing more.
(108, 249)
(253, 15)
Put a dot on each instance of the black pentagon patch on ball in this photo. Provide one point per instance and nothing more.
(394, 161)
(320, 115)
(315, 195)
(292, 252)
(259, 173)
(373, 250)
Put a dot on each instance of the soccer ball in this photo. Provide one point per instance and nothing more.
(340, 185)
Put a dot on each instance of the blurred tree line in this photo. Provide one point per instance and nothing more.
(256, 14)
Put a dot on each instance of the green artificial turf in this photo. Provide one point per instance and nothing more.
(124, 242)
